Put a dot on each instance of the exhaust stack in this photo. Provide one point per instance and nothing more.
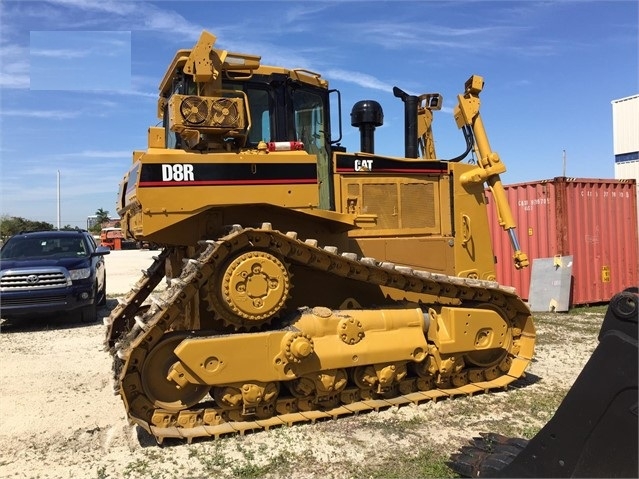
(411, 103)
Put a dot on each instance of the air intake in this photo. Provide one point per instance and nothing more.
(366, 115)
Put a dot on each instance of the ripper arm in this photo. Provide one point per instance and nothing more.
(489, 165)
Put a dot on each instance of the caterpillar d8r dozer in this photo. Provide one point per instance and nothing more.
(303, 281)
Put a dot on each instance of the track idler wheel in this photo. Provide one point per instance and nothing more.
(159, 389)
(492, 359)
(251, 290)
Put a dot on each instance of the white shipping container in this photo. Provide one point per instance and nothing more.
(625, 127)
(627, 170)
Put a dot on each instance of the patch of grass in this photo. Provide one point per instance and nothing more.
(278, 465)
(528, 431)
(215, 461)
(557, 328)
(396, 425)
(514, 413)
(539, 400)
(570, 323)
(598, 309)
(101, 473)
(471, 406)
(137, 468)
(427, 463)
(249, 470)
(212, 459)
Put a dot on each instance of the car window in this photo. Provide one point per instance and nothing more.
(45, 247)
(72, 247)
(20, 248)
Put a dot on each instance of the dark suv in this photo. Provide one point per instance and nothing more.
(52, 272)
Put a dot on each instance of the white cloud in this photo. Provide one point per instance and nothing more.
(14, 67)
(136, 15)
(497, 36)
(104, 6)
(142, 94)
(98, 154)
(302, 11)
(362, 79)
(61, 53)
(42, 114)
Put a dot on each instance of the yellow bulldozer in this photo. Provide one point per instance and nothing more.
(305, 281)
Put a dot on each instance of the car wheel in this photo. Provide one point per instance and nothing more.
(89, 314)
(102, 299)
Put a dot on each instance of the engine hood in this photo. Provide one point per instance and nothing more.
(68, 263)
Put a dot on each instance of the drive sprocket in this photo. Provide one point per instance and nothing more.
(249, 291)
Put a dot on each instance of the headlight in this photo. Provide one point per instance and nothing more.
(82, 273)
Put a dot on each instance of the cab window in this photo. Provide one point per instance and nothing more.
(309, 120)
(260, 116)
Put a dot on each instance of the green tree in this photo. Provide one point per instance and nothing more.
(11, 225)
(102, 216)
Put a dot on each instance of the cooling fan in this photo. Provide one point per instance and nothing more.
(194, 110)
(225, 112)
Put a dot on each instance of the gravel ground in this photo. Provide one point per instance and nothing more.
(60, 418)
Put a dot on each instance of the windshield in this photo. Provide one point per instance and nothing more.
(309, 120)
(47, 248)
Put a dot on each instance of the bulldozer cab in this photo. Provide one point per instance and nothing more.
(264, 108)
(242, 105)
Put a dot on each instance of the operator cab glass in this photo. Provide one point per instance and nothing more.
(182, 85)
(309, 120)
(280, 110)
(261, 110)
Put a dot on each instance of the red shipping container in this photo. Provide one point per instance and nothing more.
(593, 220)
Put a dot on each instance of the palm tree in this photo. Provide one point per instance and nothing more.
(102, 216)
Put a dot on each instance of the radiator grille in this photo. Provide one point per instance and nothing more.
(45, 300)
(418, 205)
(33, 279)
(381, 200)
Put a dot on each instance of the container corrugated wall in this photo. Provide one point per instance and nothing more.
(593, 220)
(625, 128)
(627, 169)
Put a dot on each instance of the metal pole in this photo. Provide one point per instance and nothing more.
(58, 200)
(564, 175)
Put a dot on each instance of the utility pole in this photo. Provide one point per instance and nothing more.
(58, 199)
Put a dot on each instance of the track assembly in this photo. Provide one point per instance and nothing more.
(275, 362)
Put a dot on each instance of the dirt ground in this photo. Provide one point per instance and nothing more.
(60, 419)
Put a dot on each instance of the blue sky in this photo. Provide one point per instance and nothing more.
(79, 80)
